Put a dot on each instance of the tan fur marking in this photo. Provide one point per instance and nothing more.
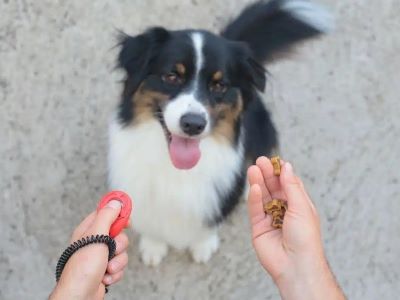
(217, 76)
(144, 102)
(181, 69)
(226, 117)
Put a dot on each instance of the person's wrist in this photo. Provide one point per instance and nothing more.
(69, 288)
(80, 272)
(309, 278)
(72, 290)
(64, 291)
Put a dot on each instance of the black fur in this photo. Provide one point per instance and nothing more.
(268, 30)
(261, 137)
(230, 200)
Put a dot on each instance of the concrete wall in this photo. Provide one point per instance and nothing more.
(335, 104)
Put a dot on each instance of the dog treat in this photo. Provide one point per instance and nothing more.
(277, 208)
(276, 164)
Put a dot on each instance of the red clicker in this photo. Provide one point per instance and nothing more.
(125, 213)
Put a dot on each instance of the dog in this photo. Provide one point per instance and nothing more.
(190, 121)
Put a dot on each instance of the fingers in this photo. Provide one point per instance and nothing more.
(271, 180)
(255, 204)
(83, 227)
(255, 177)
(122, 243)
(129, 224)
(285, 186)
(304, 191)
(100, 292)
(118, 263)
(113, 278)
(105, 217)
(260, 223)
(297, 198)
(308, 197)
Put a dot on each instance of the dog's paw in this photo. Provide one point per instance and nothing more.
(202, 251)
(152, 251)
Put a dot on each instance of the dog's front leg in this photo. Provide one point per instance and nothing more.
(152, 250)
(205, 248)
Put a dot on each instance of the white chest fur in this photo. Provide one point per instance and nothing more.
(171, 205)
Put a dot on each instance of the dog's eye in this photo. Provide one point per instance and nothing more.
(172, 78)
(218, 87)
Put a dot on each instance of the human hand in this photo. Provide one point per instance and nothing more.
(84, 276)
(293, 255)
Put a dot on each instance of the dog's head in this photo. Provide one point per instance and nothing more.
(194, 83)
(197, 84)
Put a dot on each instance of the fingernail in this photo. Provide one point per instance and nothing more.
(114, 204)
(107, 279)
(289, 168)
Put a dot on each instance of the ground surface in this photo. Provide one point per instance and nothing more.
(335, 103)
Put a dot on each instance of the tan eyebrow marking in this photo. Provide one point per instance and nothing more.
(217, 76)
(180, 68)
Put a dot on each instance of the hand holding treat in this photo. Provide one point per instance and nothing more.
(286, 232)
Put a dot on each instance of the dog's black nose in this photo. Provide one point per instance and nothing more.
(193, 124)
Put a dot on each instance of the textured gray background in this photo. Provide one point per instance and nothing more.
(335, 104)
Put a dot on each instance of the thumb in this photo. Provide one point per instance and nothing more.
(296, 197)
(106, 217)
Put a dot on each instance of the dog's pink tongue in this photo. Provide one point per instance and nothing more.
(184, 152)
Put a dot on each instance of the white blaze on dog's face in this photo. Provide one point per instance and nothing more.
(193, 83)
(186, 118)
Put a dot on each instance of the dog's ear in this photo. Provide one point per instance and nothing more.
(135, 57)
(137, 52)
(271, 28)
(254, 72)
(248, 69)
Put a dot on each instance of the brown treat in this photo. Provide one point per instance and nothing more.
(276, 163)
(277, 223)
(275, 205)
(276, 214)
(277, 208)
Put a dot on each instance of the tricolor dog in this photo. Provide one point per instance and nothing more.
(190, 120)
